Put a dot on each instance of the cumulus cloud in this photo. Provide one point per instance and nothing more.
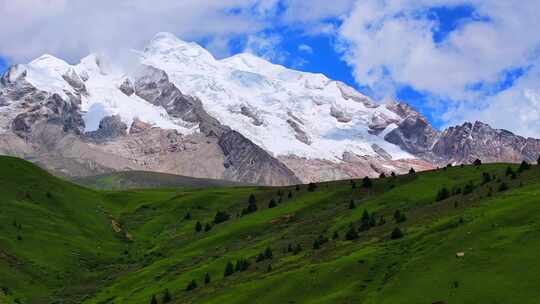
(305, 48)
(391, 43)
(71, 29)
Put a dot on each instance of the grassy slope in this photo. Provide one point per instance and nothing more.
(143, 179)
(498, 233)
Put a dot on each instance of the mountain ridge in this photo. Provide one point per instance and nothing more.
(175, 109)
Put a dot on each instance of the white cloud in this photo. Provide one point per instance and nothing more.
(71, 29)
(266, 46)
(305, 48)
(390, 43)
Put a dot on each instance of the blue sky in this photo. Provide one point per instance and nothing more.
(454, 61)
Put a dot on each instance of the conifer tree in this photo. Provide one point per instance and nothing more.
(167, 298)
(335, 236)
(396, 234)
(207, 279)
(352, 205)
(268, 253)
(153, 300)
(366, 182)
(524, 166)
(412, 171)
(187, 216)
(290, 248)
(289, 195)
(229, 269)
(269, 268)
(399, 217)
(393, 174)
(221, 216)
(477, 162)
(252, 204)
(382, 175)
(272, 203)
(192, 285)
(312, 187)
(442, 194)
(207, 227)
(297, 249)
(351, 234)
(198, 226)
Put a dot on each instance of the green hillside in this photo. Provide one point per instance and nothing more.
(477, 242)
(143, 179)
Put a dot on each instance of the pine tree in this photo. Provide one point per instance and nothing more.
(442, 194)
(289, 195)
(268, 253)
(290, 248)
(187, 216)
(272, 203)
(366, 182)
(252, 204)
(372, 220)
(297, 249)
(207, 279)
(297, 187)
(538, 160)
(382, 175)
(509, 171)
(524, 166)
(153, 300)
(269, 268)
(503, 187)
(477, 162)
(412, 171)
(352, 205)
(229, 269)
(335, 236)
(396, 234)
(382, 221)
(312, 187)
(198, 226)
(167, 298)
(486, 177)
(207, 227)
(192, 285)
(393, 174)
(351, 234)
(221, 216)
(365, 221)
(399, 217)
(316, 244)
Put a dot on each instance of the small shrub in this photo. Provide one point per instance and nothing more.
(192, 285)
(396, 234)
(442, 194)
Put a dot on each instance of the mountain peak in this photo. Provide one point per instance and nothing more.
(169, 45)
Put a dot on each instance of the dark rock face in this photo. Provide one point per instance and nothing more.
(298, 132)
(127, 87)
(459, 144)
(110, 127)
(414, 133)
(76, 82)
(55, 110)
(244, 160)
(247, 162)
(154, 86)
(465, 143)
(255, 119)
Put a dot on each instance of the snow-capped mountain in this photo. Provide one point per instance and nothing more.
(177, 109)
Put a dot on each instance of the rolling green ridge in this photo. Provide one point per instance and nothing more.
(143, 179)
(63, 243)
